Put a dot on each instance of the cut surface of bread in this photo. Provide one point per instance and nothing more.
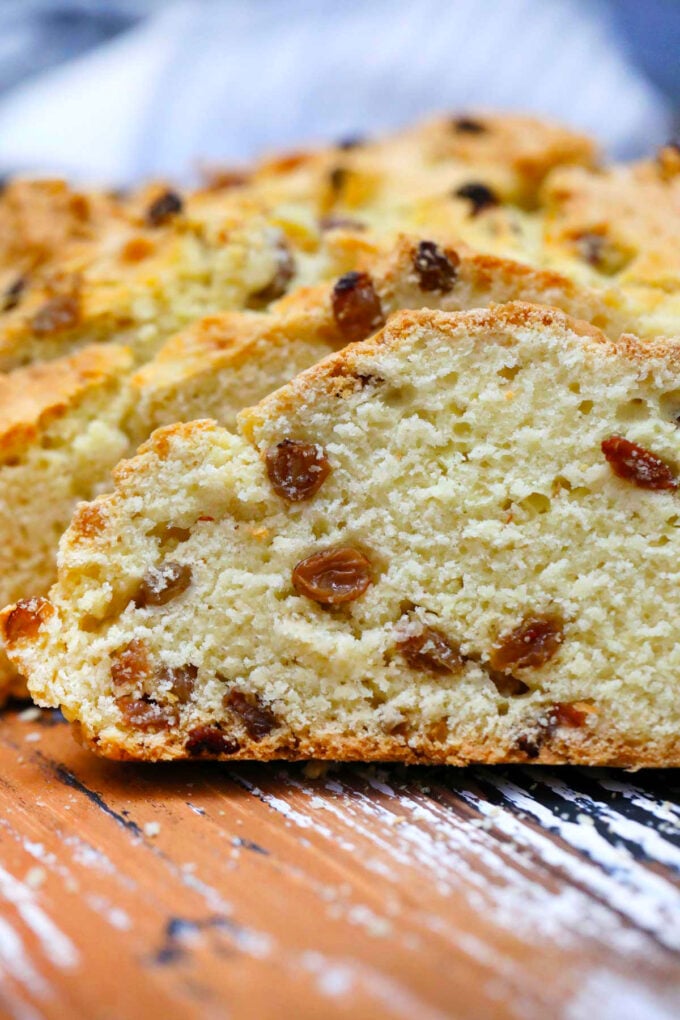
(65, 426)
(456, 541)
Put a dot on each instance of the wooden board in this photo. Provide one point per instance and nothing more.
(257, 891)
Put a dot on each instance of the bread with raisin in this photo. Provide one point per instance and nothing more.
(66, 425)
(453, 542)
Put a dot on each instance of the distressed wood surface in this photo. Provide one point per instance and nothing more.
(264, 891)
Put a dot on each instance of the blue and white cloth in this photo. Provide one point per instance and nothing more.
(115, 91)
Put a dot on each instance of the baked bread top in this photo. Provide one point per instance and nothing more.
(455, 541)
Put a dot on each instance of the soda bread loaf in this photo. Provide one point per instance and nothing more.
(131, 270)
(455, 541)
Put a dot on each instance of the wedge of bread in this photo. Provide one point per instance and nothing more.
(456, 541)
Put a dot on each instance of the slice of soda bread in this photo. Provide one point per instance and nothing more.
(456, 541)
(76, 424)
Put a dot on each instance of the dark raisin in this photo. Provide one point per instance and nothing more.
(356, 306)
(130, 665)
(507, 685)
(296, 470)
(278, 285)
(480, 196)
(436, 269)
(532, 643)
(258, 718)
(430, 650)
(13, 294)
(333, 576)
(163, 208)
(529, 747)
(337, 178)
(58, 313)
(351, 142)
(162, 584)
(25, 620)
(340, 223)
(181, 680)
(146, 714)
(468, 126)
(637, 465)
(209, 740)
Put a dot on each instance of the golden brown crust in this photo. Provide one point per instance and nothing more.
(33, 397)
(620, 223)
(611, 750)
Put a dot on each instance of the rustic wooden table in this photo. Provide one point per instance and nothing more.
(258, 891)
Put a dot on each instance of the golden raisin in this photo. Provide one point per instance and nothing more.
(602, 252)
(60, 312)
(162, 584)
(209, 740)
(163, 208)
(356, 306)
(430, 650)
(532, 643)
(296, 470)
(637, 465)
(258, 718)
(436, 269)
(26, 618)
(181, 680)
(130, 665)
(136, 249)
(333, 576)
(277, 286)
(480, 196)
(146, 714)
(570, 713)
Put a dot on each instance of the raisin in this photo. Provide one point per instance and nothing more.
(356, 306)
(337, 178)
(181, 680)
(637, 465)
(507, 685)
(602, 253)
(340, 223)
(296, 470)
(25, 620)
(13, 293)
(209, 740)
(532, 643)
(130, 664)
(162, 584)
(333, 576)
(479, 195)
(435, 268)
(146, 714)
(568, 713)
(277, 286)
(258, 719)
(60, 312)
(468, 126)
(351, 142)
(163, 208)
(530, 747)
(430, 650)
